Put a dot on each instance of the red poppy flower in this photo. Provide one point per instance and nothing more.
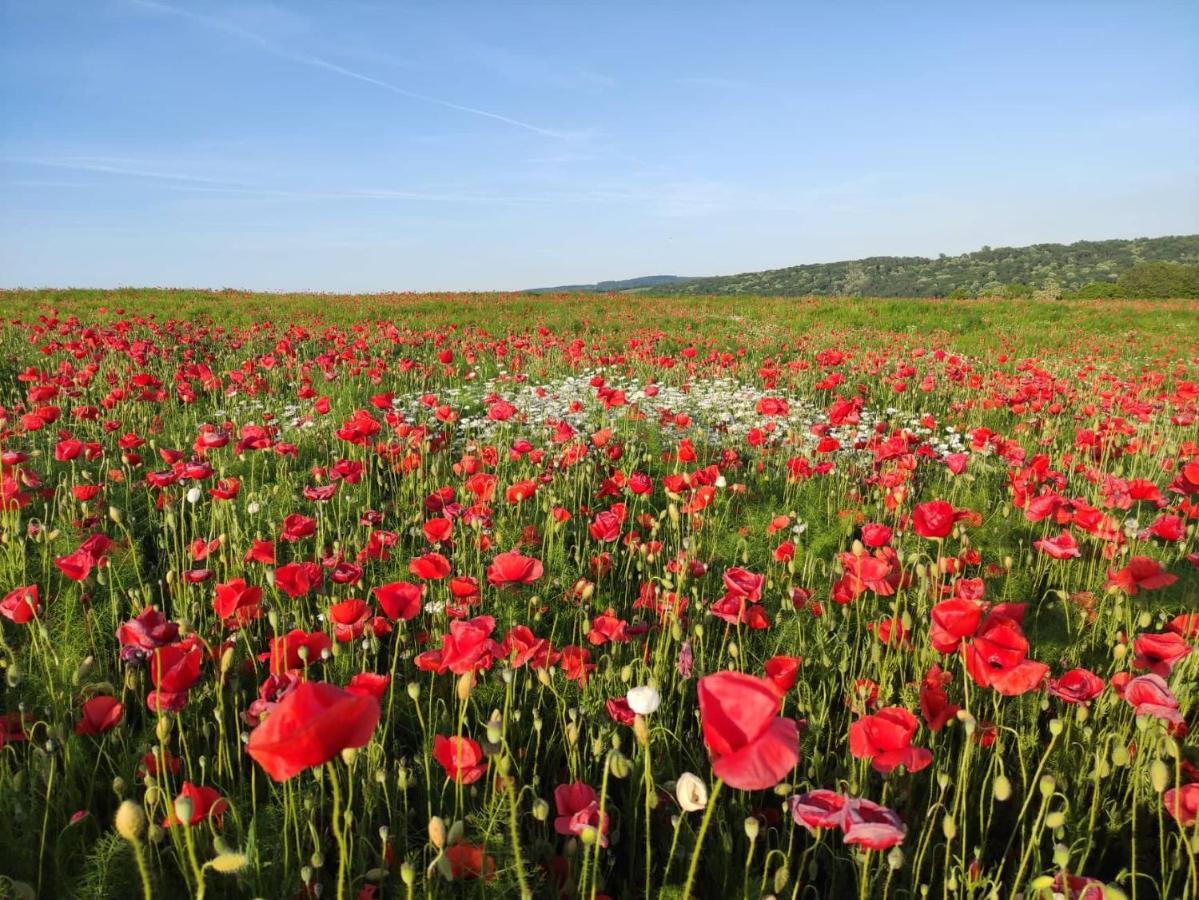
(952, 622)
(296, 649)
(934, 519)
(370, 684)
(461, 758)
(1182, 803)
(310, 726)
(512, 568)
(297, 579)
(399, 600)
(430, 567)
(606, 628)
(1159, 653)
(577, 806)
(1141, 573)
(751, 746)
(468, 861)
(76, 566)
(20, 605)
(782, 671)
(236, 603)
(1077, 686)
(885, 738)
(100, 714)
(297, 527)
(935, 707)
(349, 619)
(997, 657)
(818, 809)
(1149, 695)
(1061, 547)
(872, 826)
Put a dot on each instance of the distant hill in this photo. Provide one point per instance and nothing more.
(1059, 268)
(627, 284)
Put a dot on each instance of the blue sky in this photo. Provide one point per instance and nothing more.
(378, 146)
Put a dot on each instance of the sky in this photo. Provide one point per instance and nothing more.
(360, 146)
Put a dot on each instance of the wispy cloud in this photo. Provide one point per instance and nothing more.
(319, 62)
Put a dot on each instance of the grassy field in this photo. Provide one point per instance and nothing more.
(577, 595)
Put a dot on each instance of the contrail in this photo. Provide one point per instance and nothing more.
(320, 63)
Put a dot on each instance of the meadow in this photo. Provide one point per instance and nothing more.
(583, 596)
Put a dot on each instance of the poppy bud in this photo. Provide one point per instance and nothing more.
(437, 832)
(495, 727)
(408, 874)
(118, 786)
(619, 765)
(1159, 774)
(83, 669)
(541, 810)
(1047, 785)
(230, 863)
(640, 730)
(752, 826)
(1055, 820)
(413, 689)
(131, 821)
(781, 876)
(115, 514)
(1002, 788)
(949, 827)
(895, 858)
(184, 809)
(348, 755)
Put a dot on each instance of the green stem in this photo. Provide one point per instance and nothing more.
(699, 840)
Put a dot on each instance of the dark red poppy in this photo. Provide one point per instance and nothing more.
(100, 714)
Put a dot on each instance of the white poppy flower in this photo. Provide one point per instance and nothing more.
(644, 700)
(691, 792)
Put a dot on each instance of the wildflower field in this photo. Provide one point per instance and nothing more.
(594, 596)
